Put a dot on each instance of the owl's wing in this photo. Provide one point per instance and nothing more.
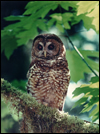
(29, 71)
(27, 75)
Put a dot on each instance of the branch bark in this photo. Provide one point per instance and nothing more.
(38, 118)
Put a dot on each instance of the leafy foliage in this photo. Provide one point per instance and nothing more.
(33, 18)
(91, 92)
(41, 16)
(92, 10)
(77, 70)
(7, 38)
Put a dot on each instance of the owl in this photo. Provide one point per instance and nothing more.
(48, 74)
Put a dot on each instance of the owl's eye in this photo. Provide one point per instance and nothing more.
(40, 47)
(51, 47)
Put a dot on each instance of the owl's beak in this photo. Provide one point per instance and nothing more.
(45, 53)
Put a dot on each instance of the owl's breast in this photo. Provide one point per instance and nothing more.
(48, 83)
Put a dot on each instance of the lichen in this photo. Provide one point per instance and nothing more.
(39, 118)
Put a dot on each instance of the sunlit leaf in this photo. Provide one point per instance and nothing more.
(66, 25)
(80, 102)
(57, 16)
(90, 9)
(91, 92)
(86, 21)
(59, 26)
(95, 14)
(86, 6)
(77, 66)
(95, 117)
(95, 111)
(66, 17)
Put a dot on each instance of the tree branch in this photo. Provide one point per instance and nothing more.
(40, 118)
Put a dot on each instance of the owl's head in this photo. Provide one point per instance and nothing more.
(47, 46)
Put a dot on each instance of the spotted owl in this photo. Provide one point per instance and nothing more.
(48, 74)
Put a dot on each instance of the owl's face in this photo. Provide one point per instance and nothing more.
(47, 46)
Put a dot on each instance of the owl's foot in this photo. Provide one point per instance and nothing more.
(45, 103)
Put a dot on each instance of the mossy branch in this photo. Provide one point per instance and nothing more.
(40, 118)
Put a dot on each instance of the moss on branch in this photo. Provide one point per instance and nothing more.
(40, 118)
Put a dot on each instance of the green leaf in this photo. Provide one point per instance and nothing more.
(66, 25)
(92, 63)
(25, 36)
(60, 27)
(41, 24)
(86, 21)
(80, 102)
(57, 17)
(86, 6)
(90, 91)
(95, 14)
(30, 4)
(8, 44)
(38, 4)
(47, 8)
(94, 79)
(14, 18)
(17, 27)
(95, 111)
(22, 41)
(13, 26)
(50, 23)
(90, 9)
(81, 90)
(94, 118)
(67, 4)
(27, 26)
(65, 18)
(41, 9)
(77, 66)
(88, 107)
(32, 7)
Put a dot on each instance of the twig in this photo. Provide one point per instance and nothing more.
(76, 47)
(81, 56)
